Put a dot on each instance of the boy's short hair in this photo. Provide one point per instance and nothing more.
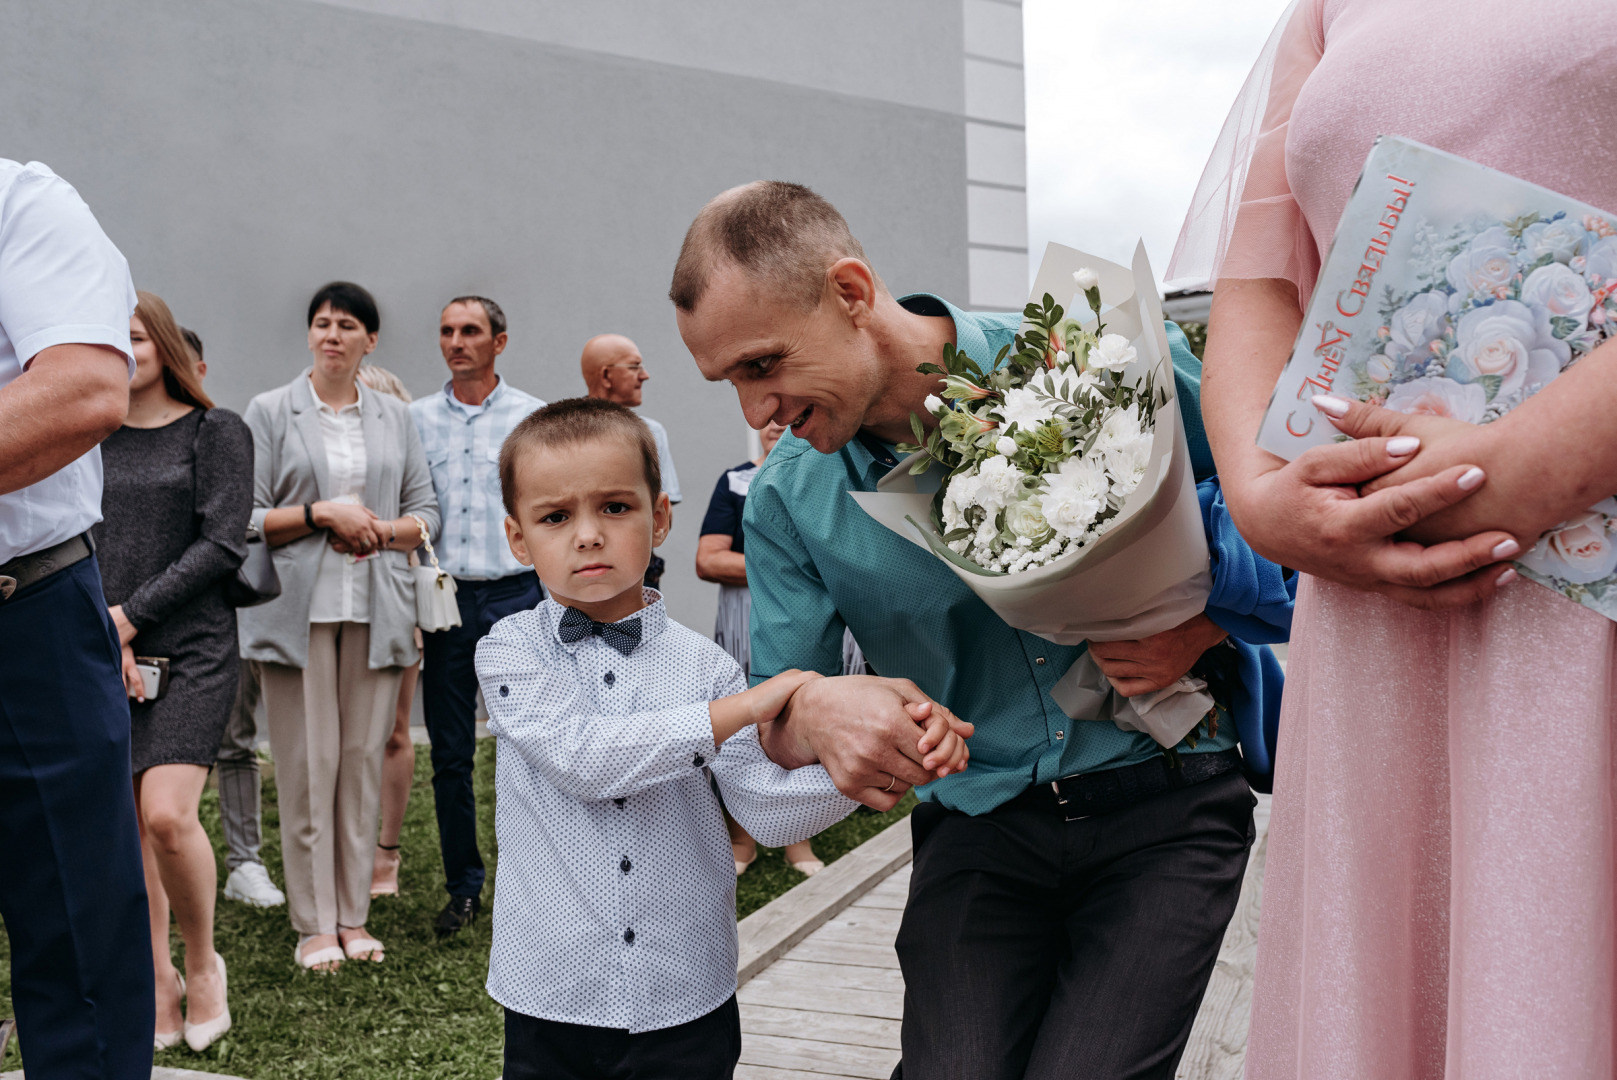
(573, 421)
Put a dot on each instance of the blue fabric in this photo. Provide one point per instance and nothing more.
(1251, 600)
(74, 897)
(817, 564)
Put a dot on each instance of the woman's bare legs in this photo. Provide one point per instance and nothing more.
(185, 882)
(398, 772)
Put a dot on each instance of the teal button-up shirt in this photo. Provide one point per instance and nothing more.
(817, 563)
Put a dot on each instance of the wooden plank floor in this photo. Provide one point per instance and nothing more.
(830, 1008)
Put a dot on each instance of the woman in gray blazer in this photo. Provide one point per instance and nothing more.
(339, 483)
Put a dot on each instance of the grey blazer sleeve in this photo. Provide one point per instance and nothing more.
(418, 496)
(265, 460)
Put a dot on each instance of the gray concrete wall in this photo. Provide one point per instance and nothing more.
(243, 152)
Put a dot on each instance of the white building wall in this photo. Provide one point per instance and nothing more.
(996, 154)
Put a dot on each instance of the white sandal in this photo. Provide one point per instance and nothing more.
(201, 1036)
(365, 948)
(162, 1040)
(331, 954)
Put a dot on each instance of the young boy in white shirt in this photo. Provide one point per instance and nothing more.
(614, 910)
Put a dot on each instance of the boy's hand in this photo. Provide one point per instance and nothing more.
(769, 697)
(943, 743)
(757, 705)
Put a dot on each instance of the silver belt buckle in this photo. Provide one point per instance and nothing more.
(8, 585)
(1055, 786)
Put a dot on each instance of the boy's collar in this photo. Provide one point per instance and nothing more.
(653, 617)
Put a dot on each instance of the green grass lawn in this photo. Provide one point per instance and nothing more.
(421, 1013)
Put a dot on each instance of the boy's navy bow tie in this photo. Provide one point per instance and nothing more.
(622, 636)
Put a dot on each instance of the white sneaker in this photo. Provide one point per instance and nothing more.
(250, 883)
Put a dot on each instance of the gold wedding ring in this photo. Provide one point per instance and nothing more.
(890, 784)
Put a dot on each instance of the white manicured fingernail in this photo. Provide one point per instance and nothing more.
(1506, 549)
(1330, 406)
(1471, 479)
(1504, 579)
(1402, 446)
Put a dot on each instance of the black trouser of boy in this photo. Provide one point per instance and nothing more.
(1036, 947)
(706, 1048)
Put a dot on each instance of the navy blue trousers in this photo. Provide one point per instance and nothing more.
(449, 699)
(71, 892)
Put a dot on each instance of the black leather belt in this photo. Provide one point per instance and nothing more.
(1096, 793)
(36, 566)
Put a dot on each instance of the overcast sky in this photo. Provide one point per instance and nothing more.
(1124, 101)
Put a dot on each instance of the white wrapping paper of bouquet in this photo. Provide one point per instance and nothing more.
(1147, 574)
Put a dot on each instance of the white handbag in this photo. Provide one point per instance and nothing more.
(435, 605)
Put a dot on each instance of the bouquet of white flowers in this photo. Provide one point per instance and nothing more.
(1066, 499)
(1044, 446)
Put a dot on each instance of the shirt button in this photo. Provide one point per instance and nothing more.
(1060, 735)
(625, 865)
(1039, 660)
(697, 760)
(609, 678)
(505, 691)
(628, 937)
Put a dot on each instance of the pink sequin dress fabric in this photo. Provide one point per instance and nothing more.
(1441, 864)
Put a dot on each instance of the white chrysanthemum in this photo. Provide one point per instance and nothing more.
(1023, 407)
(1126, 465)
(1087, 476)
(961, 493)
(933, 404)
(1112, 353)
(1121, 427)
(1006, 445)
(1085, 278)
(998, 481)
(1069, 511)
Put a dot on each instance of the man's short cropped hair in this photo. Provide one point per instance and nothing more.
(568, 423)
(349, 299)
(496, 316)
(780, 233)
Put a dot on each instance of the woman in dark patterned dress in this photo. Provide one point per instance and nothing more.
(176, 502)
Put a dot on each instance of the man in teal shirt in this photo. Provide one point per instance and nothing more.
(1070, 889)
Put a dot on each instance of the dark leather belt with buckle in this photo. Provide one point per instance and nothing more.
(1092, 794)
(31, 569)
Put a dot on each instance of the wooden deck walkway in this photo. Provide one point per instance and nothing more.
(829, 1008)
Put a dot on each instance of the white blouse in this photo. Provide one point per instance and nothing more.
(342, 586)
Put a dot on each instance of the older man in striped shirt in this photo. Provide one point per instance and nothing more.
(461, 431)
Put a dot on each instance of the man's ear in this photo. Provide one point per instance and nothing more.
(499, 342)
(513, 537)
(662, 519)
(853, 288)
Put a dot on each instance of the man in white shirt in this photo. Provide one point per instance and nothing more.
(73, 895)
(614, 369)
(462, 428)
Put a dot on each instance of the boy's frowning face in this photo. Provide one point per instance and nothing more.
(586, 522)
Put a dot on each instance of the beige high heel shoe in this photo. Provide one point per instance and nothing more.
(162, 1040)
(201, 1036)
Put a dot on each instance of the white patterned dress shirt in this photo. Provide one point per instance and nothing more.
(342, 583)
(462, 444)
(614, 900)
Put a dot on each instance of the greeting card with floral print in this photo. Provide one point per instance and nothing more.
(1456, 290)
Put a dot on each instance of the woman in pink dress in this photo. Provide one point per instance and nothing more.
(1439, 899)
